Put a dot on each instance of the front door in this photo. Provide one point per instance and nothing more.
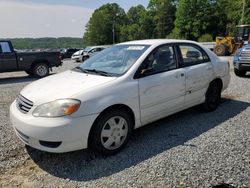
(8, 60)
(162, 86)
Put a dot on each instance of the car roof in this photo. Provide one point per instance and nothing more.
(157, 41)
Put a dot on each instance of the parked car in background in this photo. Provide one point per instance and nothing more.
(242, 61)
(78, 56)
(33, 63)
(88, 52)
(124, 87)
(67, 53)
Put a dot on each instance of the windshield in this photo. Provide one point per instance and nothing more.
(87, 49)
(115, 60)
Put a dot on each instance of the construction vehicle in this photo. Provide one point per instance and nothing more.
(228, 45)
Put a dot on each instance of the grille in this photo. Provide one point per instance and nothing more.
(23, 104)
(245, 55)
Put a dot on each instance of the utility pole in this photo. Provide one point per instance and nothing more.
(243, 11)
(113, 31)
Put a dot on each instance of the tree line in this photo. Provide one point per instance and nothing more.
(53, 43)
(200, 20)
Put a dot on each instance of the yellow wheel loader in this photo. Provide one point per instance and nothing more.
(228, 45)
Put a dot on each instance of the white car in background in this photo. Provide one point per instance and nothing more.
(129, 85)
(86, 53)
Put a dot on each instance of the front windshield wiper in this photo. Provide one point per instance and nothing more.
(82, 69)
(99, 72)
(103, 73)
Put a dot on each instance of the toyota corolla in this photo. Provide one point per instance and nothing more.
(98, 104)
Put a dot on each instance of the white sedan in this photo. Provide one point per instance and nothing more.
(88, 52)
(99, 103)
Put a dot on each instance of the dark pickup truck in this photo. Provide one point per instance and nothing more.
(33, 63)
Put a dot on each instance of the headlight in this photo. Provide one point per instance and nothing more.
(58, 108)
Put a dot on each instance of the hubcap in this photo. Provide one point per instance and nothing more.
(114, 132)
(41, 70)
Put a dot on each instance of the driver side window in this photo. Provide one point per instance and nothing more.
(5, 47)
(160, 60)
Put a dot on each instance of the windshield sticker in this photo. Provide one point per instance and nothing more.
(135, 47)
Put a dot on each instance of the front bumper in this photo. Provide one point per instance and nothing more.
(76, 58)
(55, 135)
(241, 65)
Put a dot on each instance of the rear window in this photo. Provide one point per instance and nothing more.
(192, 55)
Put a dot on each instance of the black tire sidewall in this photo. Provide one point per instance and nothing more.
(84, 58)
(95, 136)
(208, 106)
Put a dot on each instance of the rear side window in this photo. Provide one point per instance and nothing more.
(192, 55)
(5, 47)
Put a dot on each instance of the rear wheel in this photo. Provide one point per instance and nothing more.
(213, 97)
(41, 70)
(239, 72)
(220, 50)
(111, 132)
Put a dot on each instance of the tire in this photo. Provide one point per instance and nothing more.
(220, 50)
(84, 58)
(108, 136)
(212, 97)
(240, 73)
(40, 70)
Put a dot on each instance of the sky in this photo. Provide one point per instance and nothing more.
(51, 18)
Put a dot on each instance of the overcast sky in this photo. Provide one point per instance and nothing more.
(50, 18)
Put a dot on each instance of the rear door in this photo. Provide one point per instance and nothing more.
(198, 72)
(8, 60)
(161, 86)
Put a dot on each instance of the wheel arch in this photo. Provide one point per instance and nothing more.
(217, 81)
(40, 61)
(112, 107)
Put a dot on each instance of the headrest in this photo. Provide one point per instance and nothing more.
(193, 54)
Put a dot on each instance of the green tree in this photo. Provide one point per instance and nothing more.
(139, 24)
(163, 12)
(237, 12)
(193, 18)
(104, 21)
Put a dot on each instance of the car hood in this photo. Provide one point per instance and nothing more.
(63, 85)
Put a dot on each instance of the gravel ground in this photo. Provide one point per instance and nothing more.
(188, 149)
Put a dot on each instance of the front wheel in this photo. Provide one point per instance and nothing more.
(41, 70)
(213, 97)
(239, 72)
(84, 58)
(111, 132)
